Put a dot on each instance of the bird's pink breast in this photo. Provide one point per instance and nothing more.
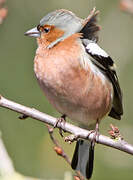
(80, 94)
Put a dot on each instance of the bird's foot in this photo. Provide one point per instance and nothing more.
(96, 134)
(60, 120)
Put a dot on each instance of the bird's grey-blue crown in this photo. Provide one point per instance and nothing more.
(64, 20)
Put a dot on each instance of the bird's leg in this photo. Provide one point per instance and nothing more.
(60, 120)
(96, 133)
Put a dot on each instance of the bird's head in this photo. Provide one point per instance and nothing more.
(56, 26)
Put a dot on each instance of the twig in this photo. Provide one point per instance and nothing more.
(60, 151)
(79, 132)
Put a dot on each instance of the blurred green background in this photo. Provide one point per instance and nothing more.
(28, 142)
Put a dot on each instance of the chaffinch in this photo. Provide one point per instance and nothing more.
(76, 75)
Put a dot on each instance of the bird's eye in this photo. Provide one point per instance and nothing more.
(46, 29)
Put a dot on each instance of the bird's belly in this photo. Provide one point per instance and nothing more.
(76, 112)
(82, 108)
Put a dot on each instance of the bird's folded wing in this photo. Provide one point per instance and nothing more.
(104, 62)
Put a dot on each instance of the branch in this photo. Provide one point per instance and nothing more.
(76, 131)
(60, 151)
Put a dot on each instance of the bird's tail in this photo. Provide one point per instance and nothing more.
(83, 158)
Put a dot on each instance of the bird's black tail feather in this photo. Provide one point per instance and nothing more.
(83, 158)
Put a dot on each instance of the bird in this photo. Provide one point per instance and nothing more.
(77, 76)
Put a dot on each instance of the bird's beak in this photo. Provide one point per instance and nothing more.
(33, 33)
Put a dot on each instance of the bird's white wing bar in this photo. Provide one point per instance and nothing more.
(94, 49)
(98, 54)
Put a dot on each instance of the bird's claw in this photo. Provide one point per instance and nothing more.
(60, 120)
(96, 134)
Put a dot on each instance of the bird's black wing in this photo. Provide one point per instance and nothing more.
(104, 62)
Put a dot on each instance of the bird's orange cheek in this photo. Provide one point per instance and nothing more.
(45, 39)
(53, 35)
